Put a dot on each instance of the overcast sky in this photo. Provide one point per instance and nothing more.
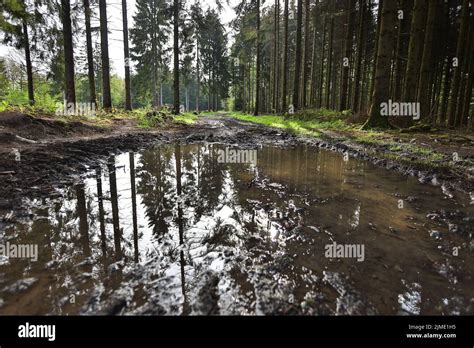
(114, 14)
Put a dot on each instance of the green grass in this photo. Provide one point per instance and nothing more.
(314, 122)
(187, 118)
(305, 126)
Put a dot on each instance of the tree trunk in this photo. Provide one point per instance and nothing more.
(29, 67)
(307, 37)
(259, 57)
(70, 88)
(457, 69)
(176, 57)
(377, 40)
(358, 65)
(198, 76)
(383, 66)
(126, 50)
(323, 53)
(90, 55)
(425, 72)
(285, 60)
(414, 51)
(276, 37)
(347, 53)
(104, 45)
(330, 61)
(299, 34)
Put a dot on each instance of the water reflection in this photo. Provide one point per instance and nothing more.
(172, 231)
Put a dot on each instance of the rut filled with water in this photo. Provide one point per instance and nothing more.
(212, 229)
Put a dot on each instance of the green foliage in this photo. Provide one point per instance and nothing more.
(307, 122)
(44, 100)
(186, 118)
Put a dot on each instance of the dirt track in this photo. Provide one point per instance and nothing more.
(51, 154)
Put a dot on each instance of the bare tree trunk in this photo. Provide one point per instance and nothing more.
(176, 57)
(323, 53)
(276, 35)
(307, 37)
(29, 67)
(285, 60)
(425, 72)
(358, 66)
(330, 62)
(299, 34)
(457, 69)
(70, 88)
(104, 45)
(259, 57)
(348, 53)
(90, 54)
(198, 76)
(126, 50)
(414, 50)
(377, 39)
(383, 67)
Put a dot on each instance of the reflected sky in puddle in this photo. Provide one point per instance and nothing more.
(171, 230)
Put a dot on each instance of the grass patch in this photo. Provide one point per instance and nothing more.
(187, 118)
(303, 124)
(314, 122)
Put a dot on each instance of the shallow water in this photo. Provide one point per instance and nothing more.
(172, 230)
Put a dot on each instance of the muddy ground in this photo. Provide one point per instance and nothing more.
(38, 156)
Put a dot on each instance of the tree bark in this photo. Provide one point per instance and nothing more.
(198, 76)
(70, 88)
(383, 66)
(176, 57)
(126, 50)
(425, 72)
(347, 53)
(104, 45)
(457, 70)
(414, 51)
(285, 60)
(259, 58)
(330, 61)
(90, 55)
(358, 65)
(307, 37)
(29, 67)
(299, 34)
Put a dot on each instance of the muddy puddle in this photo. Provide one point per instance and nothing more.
(201, 229)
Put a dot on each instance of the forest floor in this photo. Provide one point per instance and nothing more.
(39, 154)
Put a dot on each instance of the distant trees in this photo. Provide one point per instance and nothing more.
(149, 37)
(300, 53)
(332, 49)
(14, 21)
